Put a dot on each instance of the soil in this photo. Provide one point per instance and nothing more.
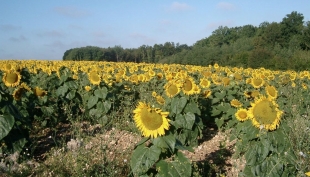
(214, 148)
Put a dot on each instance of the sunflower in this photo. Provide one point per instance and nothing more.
(188, 86)
(87, 88)
(152, 122)
(94, 78)
(39, 92)
(271, 92)
(172, 89)
(264, 112)
(17, 94)
(225, 81)
(154, 94)
(304, 86)
(205, 83)
(160, 100)
(206, 93)
(242, 115)
(257, 82)
(235, 103)
(11, 79)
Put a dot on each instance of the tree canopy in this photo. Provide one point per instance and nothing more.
(273, 45)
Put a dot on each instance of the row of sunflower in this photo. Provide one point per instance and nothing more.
(174, 103)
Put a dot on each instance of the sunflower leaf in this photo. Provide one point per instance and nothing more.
(92, 101)
(167, 141)
(143, 158)
(6, 124)
(178, 104)
(180, 167)
(101, 93)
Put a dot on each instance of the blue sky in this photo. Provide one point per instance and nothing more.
(45, 29)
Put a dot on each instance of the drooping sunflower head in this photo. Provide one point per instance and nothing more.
(225, 81)
(18, 93)
(152, 122)
(264, 112)
(11, 79)
(271, 92)
(172, 89)
(39, 92)
(206, 93)
(94, 77)
(235, 103)
(160, 100)
(242, 115)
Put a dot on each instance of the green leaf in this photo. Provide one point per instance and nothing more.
(180, 167)
(178, 104)
(184, 121)
(220, 95)
(215, 112)
(143, 158)
(192, 107)
(219, 122)
(92, 101)
(72, 85)
(215, 100)
(6, 124)
(167, 141)
(71, 95)
(62, 90)
(101, 93)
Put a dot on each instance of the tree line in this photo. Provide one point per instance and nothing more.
(273, 45)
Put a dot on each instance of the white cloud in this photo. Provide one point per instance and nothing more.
(225, 6)
(177, 6)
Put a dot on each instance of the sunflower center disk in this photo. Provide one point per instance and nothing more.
(188, 85)
(151, 120)
(264, 112)
(12, 78)
(172, 90)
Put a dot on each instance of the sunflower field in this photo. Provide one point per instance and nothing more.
(266, 112)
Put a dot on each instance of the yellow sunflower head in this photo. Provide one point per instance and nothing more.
(225, 81)
(205, 83)
(188, 86)
(11, 79)
(87, 88)
(159, 76)
(235, 103)
(257, 82)
(94, 77)
(242, 115)
(172, 89)
(152, 122)
(154, 94)
(264, 113)
(271, 92)
(39, 92)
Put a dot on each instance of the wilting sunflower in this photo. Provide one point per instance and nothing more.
(271, 92)
(242, 115)
(39, 92)
(235, 103)
(225, 81)
(94, 78)
(257, 82)
(18, 93)
(160, 100)
(206, 93)
(265, 113)
(172, 89)
(152, 122)
(11, 79)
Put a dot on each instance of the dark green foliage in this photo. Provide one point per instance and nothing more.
(276, 45)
